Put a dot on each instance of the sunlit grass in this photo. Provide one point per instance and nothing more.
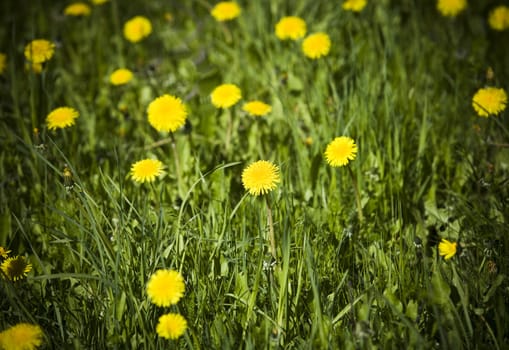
(332, 258)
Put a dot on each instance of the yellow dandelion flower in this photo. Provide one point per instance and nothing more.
(61, 117)
(257, 108)
(354, 5)
(291, 28)
(99, 2)
(489, 101)
(260, 177)
(447, 249)
(498, 18)
(146, 170)
(167, 113)
(4, 253)
(39, 50)
(16, 267)
(121, 76)
(316, 45)
(451, 8)
(77, 9)
(225, 95)
(137, 28)
(171, 326)
(165, 287)
(23, 336)
(340, 151)
(225, 11)
(3, 62)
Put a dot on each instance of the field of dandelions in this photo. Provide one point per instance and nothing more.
(288, 174)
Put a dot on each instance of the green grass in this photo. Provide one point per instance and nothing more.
(399, 80)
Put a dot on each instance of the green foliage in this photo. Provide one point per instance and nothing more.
(399, 80)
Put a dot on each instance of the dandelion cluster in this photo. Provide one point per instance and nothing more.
(146, 170)
(23, 336)
(225, 11)
(165, 288)
(260, 177)
(489, 101)
(61, 117)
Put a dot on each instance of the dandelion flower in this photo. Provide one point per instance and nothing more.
(451, 8)
(16, 267)
(225, 11)
(137, 28)
(316, 45)
(226, 95)
(61, 117)
(340, 151)
(23, 336)
(257, 108)
(146, 170)
(165, 287)
(489, 101)
(77, 9)
(121, 76)
(291, 28)
(260, 177)
(4, 253)
(3, 62)
(354, 5)
(498, 18)
(39, 50)
(167, 113)
(171, 326)
(447, 249)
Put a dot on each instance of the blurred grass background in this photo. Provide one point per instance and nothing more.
(399, 80)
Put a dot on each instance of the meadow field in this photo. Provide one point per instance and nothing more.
(269, 174)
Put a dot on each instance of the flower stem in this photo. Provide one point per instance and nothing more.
(357, 195)
(177, 163)
(272, 239)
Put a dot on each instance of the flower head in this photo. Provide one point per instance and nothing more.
(498, 18)
(489, 101)
(171, 326)
(291, 28)
(16, 267)
(39, 50)
(77, 9)
(225, 96)
(3, 62)
(225, 11)
(4, 253)
(447, 249)
(167, 113)
(257, 108)
(146, 170)
(23, 336)
(354, 5)
(340, 151)
(121, 76)
(451, 8)
(165, 287)
(316, 45)
(137, 28)
(260, 177)
(61, 117)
